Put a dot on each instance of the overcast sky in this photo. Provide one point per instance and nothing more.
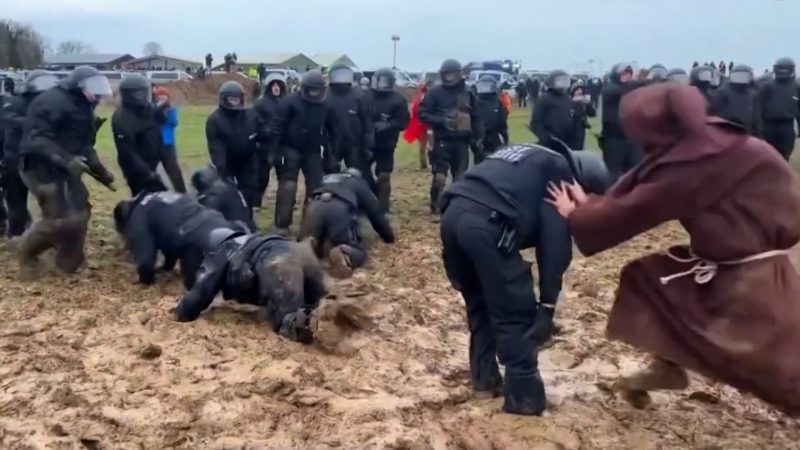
(543, 34)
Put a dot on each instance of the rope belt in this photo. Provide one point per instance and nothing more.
(704, 270)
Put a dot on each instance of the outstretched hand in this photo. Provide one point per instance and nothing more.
(561, 198)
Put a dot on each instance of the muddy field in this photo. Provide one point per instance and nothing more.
(94, 361)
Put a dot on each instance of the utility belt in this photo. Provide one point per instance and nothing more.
(508, 236)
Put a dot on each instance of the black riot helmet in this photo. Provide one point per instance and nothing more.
(784, 69)
(678, 75)
(383, 80)
(486, 85)
(558, 80)
(90, 81)
(39, 81)
(450, 72)
(312, 87)
(134, 90)
(341, 74)
(701, 76)
(657, 72)
(588, 168)
(202, 179)
(617, 71)
(231, 95)
(742, 75)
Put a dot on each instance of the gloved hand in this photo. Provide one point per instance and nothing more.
(77, 166)
(542, 330)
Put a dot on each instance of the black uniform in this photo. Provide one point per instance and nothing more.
(522, 94)
(332, 217)
(777, 108)
(354, 125)
(58, 146)
(581, 112)
(137, 136)
(736, 103)
(452, 114)
(174, 224)
(13, 115)
(221, 195)
(495, 121)
(232, 137)
(595, 88)
(268, 154)
(620, 154)
(302, 128)
(534, 89)
(552, 118)
(497, 210)
(390, 116)
(263, 270)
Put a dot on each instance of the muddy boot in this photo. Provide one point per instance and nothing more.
(70, 255)
(33, 243)
(437, 186)
(423, 156)
(284, 204)
(169, 159)
(340, 263)
(384, 191)
(659, 375)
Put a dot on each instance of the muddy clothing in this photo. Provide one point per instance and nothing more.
(390, 116)
(304, 131)
(268, 153)
(495, 122)
(13, 116)
(223, 196)
(552, 118)
(232, 137)
(354, 124)
(137, 136)
(333, 212)
(259, 270)
(60, 130)
(735, 322)
(175, 225)
(619, 154)
(777, 109)
(736, 103)
(496, 211)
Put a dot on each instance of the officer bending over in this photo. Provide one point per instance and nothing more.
(221, 195)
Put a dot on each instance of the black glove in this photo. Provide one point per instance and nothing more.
(542, 330)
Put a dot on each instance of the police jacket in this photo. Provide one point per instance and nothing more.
(736, 103)
(355, 192)
(552, 117)
(137, 136)
(232, 137)
(13, 121)
(225, 197)
(390, 116)
(612, 96)
(779, 101)
(60, 123)
(513, 182)
(441, 101)
(305, 126)
(493, 115)
(353, 117)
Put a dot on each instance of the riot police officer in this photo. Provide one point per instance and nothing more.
(353, 117)
(57, 148)
(778, 107)
(389, 116)
(657, 72)
(735, 100)
(552, 114)
(268, 153)
(232, 133)
(619, 154)
(451, 110)
(678, 75)
(137, 135)
(494, 116)
(303, 123)
(221, 195)
(494, 212)
(702, 77)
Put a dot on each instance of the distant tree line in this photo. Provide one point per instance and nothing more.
(20, 45)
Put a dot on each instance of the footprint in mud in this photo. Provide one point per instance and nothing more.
(336, 320)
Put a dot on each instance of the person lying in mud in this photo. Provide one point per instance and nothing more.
(331, 219)
(727, 305)
(270, 271)
(174, 224)
(488, 217)
(223, 196)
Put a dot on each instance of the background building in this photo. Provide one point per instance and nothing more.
(101, 61)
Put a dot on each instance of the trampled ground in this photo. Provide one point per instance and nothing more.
(95, 361)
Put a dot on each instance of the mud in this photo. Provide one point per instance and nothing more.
(96, 362)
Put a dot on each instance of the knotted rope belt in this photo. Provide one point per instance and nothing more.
(705, 270)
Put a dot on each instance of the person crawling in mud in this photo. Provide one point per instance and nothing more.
(488, 217)
(173, 224)
(270, 271)
(727, 305)
(223, 196)
(331, 219)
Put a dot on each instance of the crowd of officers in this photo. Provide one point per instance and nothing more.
(343, 138)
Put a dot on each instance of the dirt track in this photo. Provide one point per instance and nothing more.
(96, 362)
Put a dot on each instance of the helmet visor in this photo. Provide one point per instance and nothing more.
(486, 87)
(741, 77)
(97, 86)
(384, 83)
(42, 83)
(315, 94)
(680, 78)
(451, 77)
(561, 82)
(657, 74)
(705, 75)
(342, 76)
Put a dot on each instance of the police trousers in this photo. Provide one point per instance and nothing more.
(332, 222)
(620, 156)
(780, 135)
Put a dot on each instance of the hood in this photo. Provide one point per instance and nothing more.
(274, 78)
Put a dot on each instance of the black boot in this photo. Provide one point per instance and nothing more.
(384, 191)
(284, 205)
(437, 186)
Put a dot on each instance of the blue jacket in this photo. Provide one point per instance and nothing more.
(168, 129)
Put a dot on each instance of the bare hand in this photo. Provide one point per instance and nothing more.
(577, 193)
(561, 199)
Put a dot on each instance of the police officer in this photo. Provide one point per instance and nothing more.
(353, 117)
(595, 89)
(303, 123)
(451, 110)
(57, 148)
(14, 112)
(232, 133)
(389, 117)
(619, 154)
(778, 106)
(174, 224)
(269, 271)
(497, 210)
(582, 109)
(332, 218)
(220, 195)
(678, 75)
(494, 116)
(268, 154)
(702, 77)
(657, 72)
(735, 100)
(552, 114)
(137, 135)
(364, 83)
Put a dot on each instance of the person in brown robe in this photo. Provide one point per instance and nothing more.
(728, 306)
